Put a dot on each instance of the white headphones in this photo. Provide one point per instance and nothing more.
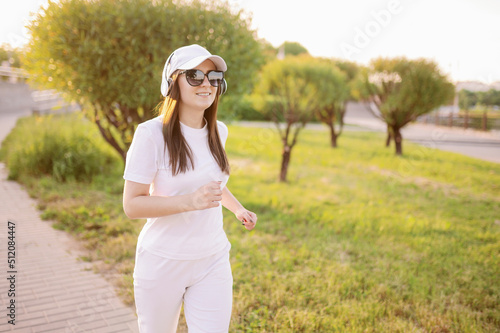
(166, 82)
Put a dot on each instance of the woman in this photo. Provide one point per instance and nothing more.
(175, 176)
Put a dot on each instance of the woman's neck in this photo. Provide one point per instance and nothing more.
(192, 118)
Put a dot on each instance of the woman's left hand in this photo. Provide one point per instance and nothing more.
(248, 218)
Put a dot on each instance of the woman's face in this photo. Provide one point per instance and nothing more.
(199, 97)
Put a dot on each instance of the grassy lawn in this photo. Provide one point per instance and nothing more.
(359, 240)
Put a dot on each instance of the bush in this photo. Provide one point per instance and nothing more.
(240, 108)
(66, 147)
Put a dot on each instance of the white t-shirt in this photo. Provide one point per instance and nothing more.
(184, 236)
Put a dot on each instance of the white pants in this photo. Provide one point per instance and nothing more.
(161, 285)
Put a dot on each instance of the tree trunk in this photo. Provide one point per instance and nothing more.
(108, 136)
(389, 137)
(285, 160)
(398, 140)
(333, 135)
(485, 121)
(388, 140)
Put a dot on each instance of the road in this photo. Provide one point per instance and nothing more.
(477, 144)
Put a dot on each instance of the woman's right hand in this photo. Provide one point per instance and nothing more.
(207, 196)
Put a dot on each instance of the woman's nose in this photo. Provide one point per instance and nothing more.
(205, 81)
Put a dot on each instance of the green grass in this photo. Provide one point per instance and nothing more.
(361, 240)
(358, 240)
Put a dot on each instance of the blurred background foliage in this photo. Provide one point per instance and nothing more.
(65, 147)
(10, 55)
(108, 54)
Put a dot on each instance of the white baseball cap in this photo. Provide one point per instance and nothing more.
(188, 57)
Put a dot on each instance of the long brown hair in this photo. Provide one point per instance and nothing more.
(181, 155)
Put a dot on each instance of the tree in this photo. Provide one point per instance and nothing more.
(268, 50)
(10, 54)
(469, 99)
(293, 48)
(492, 98)
(405, 89)
(466, 99)
(333, 93)
(109, 54)
(288, 89)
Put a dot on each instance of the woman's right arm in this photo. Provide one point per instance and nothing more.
(137, 203)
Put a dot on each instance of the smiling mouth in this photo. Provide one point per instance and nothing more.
(203, 94)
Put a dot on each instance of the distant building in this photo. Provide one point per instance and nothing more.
(496, 85)
(477, 86)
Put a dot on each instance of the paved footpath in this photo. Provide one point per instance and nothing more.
(54, 290)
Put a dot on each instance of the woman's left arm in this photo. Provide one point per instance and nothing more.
(229, 201)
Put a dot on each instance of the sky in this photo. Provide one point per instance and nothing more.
(462, 36)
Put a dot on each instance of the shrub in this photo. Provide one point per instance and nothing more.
(66, 147)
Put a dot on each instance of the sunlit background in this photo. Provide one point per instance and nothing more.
(461, 35)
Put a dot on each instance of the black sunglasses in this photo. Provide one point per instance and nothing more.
(195, 77)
